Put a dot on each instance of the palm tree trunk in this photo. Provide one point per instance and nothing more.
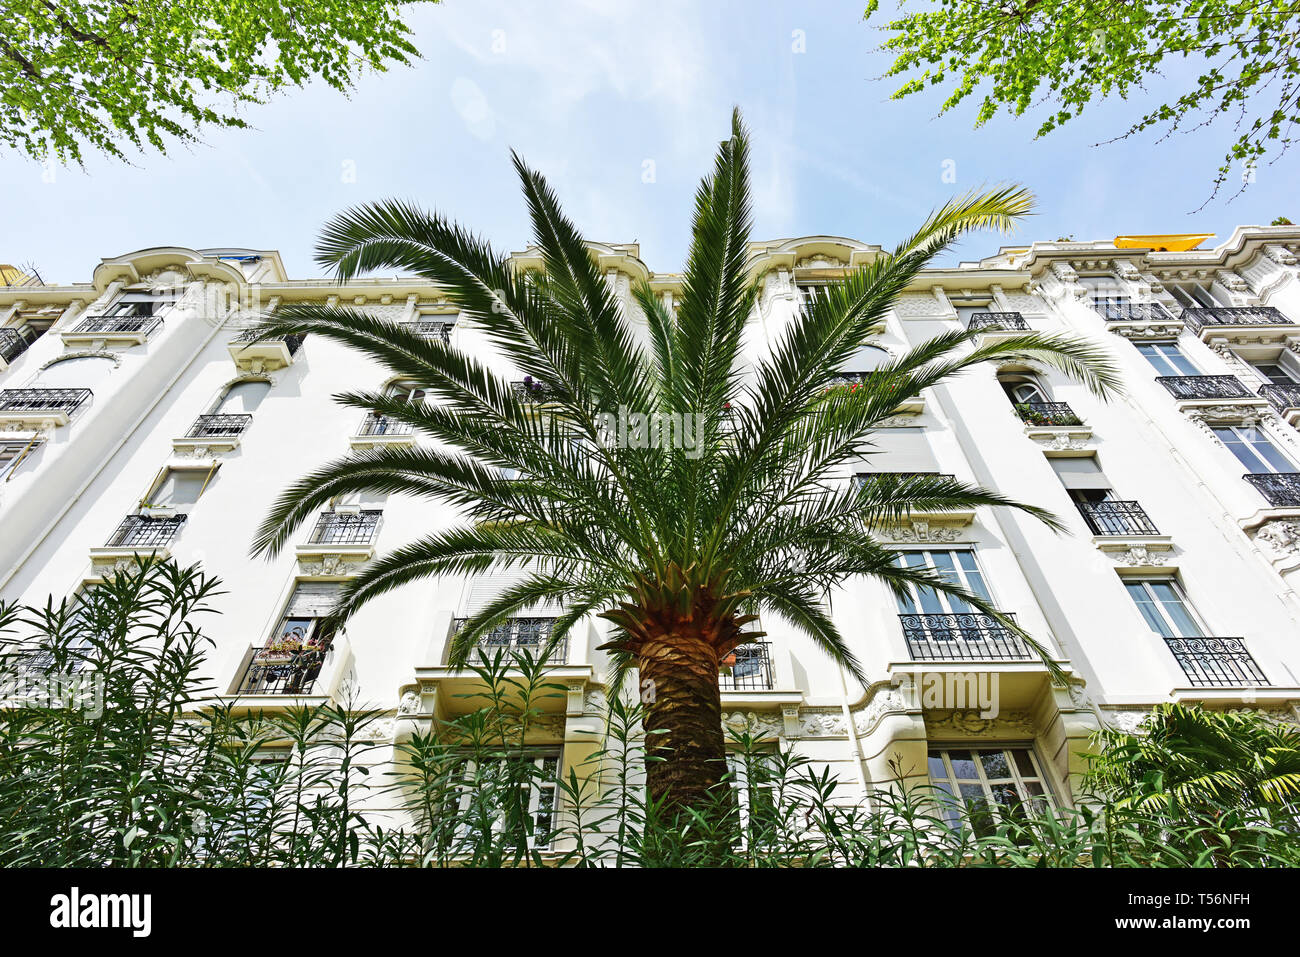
(685, 749)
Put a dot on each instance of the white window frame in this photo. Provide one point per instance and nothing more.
(951, 783)
(14, 452)
(543, 794)
(1160, 345)
(1175, 630)
(1243, 433)
(962, 576)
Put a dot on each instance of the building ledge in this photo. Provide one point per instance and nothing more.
(1124, 543)
(1015, 685)
(363, 443)
(332, 561)
(35, 420)
(1236, 696)
(1062, 441)
(199, 447)
(1140, 329)
(1271, 514)
(98, 339)
(1242, 403)
(267, 355)
(760, 698)
(110, 558)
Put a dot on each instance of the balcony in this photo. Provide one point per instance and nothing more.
(1219, 320)
(1281, 489)
(997, 322)
(12, 344)
(1117, 518)
(1216, 662)
(345, 528)
(1121, 310)
(850, 381)
(40, 408)
(254, 353)
(377, 431)
(132, 329)
(432, 328)
(531, 636)
(1198, 387)
(146, 531)
(534, 390)
(1051, 414)
(339, 544)
(1284, 398)
(285, 668)
(747, 668)
(961, 637)
(214, 433)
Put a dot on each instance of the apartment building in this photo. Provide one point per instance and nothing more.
(136, 416)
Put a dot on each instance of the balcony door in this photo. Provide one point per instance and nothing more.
(1167, 359)
(1276, 373)
(1165, 608)
(1253, 450)
(956, 566)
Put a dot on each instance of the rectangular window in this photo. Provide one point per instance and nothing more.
(480, 799)
(1167, 359)
(179, 488)
(1080, 472)
(900, 450)
(13, 452)
(1276, 373)
(754, 780)
(988, 780)
(1253, 450)
(1164, 608)
(957, 566)
(291, 660)
(138, 305)
(809, 292)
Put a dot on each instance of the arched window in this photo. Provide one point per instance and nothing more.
(1024, 391)
(867, 359)
(406, 391)
(79, 372)
(243, 398)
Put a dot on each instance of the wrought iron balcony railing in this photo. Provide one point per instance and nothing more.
(280, 670)
(1205, 387)
(146, 531)
(1281, 397)
(43, 400)
(345, 528)
(432, 328)
(1117, 518)
(222, 424)
(961, 637)
(108, 325)
(12, 344)
(1047, 413)
(293, 342)
(862, 478)
(1202, 316)
(1009, 321)
(847, 380)
(376, 424)
(1279, 488)
(513, 636)
(1217, 662)
(747, 668)
(534, 390)
(1121, 310)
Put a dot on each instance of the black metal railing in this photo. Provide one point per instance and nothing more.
(534, 390)
(862, 478)
(141, 325)
(1279, 488)
(1201, 316)
(998, 320)
(1205, 387)
(518, 636)
(43, 400)
(292, 341)
(961, 637)
(345, 528)
(1216, 662)
(747, 668)
(146, 531)
(219, 424)
(1121, 310)
(376, 424)
(280, 671)
(1114, 517)
(1281, 397)
(847, 380)
(12, 344)
(1047, 413)
(432, 328)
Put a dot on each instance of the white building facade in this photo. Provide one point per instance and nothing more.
(134, 420)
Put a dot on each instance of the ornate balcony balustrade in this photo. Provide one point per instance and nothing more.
(1121, 310)
(1200, 317)
(146, 531)
(518, 636)
(849, 380)
(1216, 662)
(1281, 489)
(1117, 518)
(961, 637)
(292, 342)
(66, 401)
(376, 424)
(345, 528)
(1005, 321)
(862, 478)
(219, 425)
(1282, 397)
(1205, 387)
(117, 325)
(285, 668)
(432, 328)
(534, 390)
(747, 668)
(12, 344)
(1047, 413)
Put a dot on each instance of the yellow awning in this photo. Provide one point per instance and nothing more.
(1164, 242)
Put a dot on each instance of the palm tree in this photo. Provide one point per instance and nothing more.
(678, 547)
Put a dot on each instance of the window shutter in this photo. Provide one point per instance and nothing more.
(484, 589)
(900, 450)
(313, 599)
(1080, 472)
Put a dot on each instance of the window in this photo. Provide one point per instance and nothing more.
(957, 567)
(79, 372)
(754, 780)
(1193, 295)
(866, 359)
(291, 660)
(810, 292)
(13, 452)
(986, 780)
(1080, 472)
(179, 488)
(479, 797)
(1276, 373)
(242, 398)
(138, 305)
(1167, 359)
(1164, 608)
(900, 450)
(1253, 449)
(1020, 392)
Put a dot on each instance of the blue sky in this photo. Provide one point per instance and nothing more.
(589, 92)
